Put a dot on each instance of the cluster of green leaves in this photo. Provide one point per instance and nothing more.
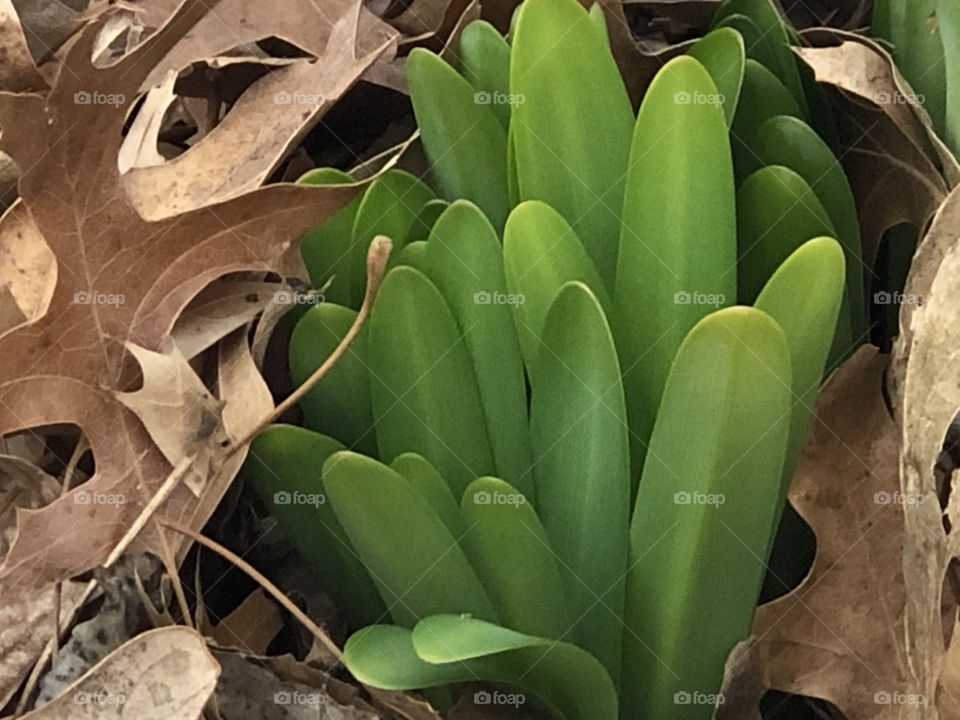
(925, 35)
(556, 455)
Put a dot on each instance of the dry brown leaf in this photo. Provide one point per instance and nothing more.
(121, 280)
(27, 267)
(219, 310)
(18, 72)
(862, 67)
(928, 390)
(250, 627)
(47, 24)
(270, 118)
(257, 687)
(164, 674)
(26, 616)
(839, 635)
(941, 239)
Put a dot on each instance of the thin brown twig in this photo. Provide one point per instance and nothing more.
(377, 258)
(258, 577)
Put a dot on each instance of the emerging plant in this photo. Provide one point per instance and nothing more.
(598, 541)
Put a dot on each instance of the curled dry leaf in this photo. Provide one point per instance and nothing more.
(890, 160)
(121, 281)
(220, 309)
(927, 356)
(164, 674)
(274, 113)
(838, 636)
(860, 66)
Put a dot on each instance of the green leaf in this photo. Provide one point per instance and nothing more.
(465, 261)
(389, 207)
(723, 54)
(541, 253)
(570, 680)
(425, 397)
(464, 141)
(599, 19)
(914, 29)
(777, 212)
(804, 297)
(578, 424)
(284, 468)
(562, 676)
(705, 512)
(486, 65)
(424, 478)
(757, 46)
(339, 403)
(326, 249)
(571, 126)
(777, 36)
(509, 550)
(678, 242)
(382, 656)
(763, 96)
(425, 220)
(948, 24)
(411, 555)
(792, 143)
(411, 254)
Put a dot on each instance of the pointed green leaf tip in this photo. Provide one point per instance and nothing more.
(425, 396)
(571, 122)
(678, 244)
(464, 259)
(804, 297)
(723, 54)
(578, 425)
(410, 553)
(705, 510)
(511, 553)
(463, 139)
